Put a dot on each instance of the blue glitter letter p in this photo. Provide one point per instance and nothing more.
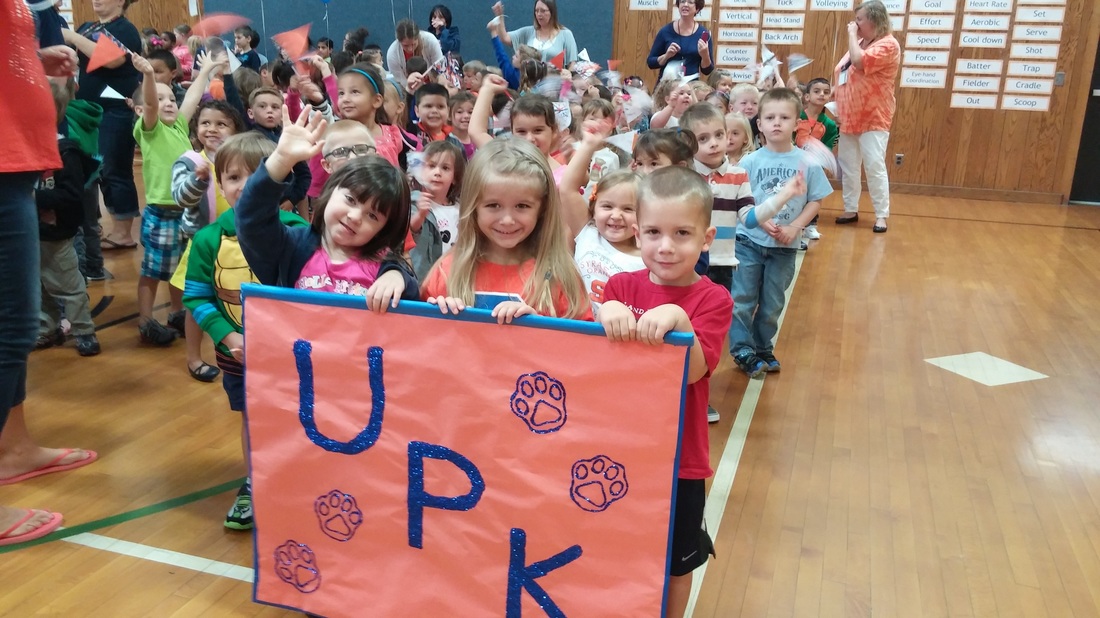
(521, 576)
(303, 357)
(418, 498)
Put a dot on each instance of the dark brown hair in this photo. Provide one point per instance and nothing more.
(372, 179)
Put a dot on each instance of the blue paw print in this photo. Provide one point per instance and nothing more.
(597, 483)
(339, 515)
(296, 564)
(540, 401)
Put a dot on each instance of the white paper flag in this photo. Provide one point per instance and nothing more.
(110, 93)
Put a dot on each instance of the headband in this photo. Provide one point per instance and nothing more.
(369, 78)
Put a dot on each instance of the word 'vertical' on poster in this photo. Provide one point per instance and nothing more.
(411, 464)
(1036, 43)
(738, 37)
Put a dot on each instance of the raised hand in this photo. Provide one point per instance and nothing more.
(301, 139)
(58, 60)
(142, 64)
(703, 47)
(493, 85)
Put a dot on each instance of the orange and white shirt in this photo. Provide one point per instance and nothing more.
(865, 96)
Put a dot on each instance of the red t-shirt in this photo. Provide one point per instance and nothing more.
(710, 309)
(30, 122)
(493, 284)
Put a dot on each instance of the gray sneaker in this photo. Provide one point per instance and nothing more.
(87, 345)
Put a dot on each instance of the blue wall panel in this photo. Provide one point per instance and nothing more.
(590, 20)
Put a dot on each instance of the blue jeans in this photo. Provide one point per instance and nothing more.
(20, 287)
(759, 292)
(116, 146)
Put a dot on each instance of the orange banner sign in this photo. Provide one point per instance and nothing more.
(414, 464)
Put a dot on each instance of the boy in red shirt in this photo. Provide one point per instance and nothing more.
(673, 229)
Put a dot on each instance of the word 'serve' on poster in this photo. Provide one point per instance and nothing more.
(414, 464)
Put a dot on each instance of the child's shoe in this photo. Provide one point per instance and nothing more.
(87, 345)
(769, 360)
(175, 322)
(240, 514)
(811, 233)
(712, 415)
(49, 340)
(156, 333)
(750, 364)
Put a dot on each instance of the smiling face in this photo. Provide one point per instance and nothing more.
(671, 234)
(507, 213)
(711, 135)
(267, 111)
(212, 128)
(432, 111)
(535, 130)
(350, 224)
(357, 99)
(615, 215)
(778, 121)
(166, 104)
(460, 116)
(725, 84)
(681, 97)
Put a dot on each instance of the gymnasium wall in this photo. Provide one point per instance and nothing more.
(992, 152)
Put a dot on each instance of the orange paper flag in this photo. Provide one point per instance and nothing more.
(295, 42)
(558, 61)
(106, 52)
(217, 24)
(613, 65)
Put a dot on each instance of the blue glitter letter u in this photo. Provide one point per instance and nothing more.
(521, 576)
(303, 357)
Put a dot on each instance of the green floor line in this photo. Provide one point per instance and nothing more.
(121, 518)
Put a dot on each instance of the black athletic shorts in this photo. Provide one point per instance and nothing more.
(691, 545)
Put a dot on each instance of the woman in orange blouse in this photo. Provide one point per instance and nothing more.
(864, 93)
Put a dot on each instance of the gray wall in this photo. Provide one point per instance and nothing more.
(590, 20)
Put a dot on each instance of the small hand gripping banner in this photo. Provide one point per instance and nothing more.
(415, 464)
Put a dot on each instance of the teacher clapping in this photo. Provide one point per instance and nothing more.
(864, 94)
(684, 40)
(547, 35)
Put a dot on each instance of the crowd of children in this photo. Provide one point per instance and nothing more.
(496, 185)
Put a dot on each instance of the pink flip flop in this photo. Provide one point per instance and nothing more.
(53, 466)
(37, 533)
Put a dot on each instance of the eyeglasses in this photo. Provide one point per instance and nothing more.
(684, 2)
(359, 150)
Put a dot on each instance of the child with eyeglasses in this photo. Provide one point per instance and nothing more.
(344, 140)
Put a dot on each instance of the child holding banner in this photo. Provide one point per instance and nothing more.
(511, 255)
(354, 243)
(674, 210)
(215, 270)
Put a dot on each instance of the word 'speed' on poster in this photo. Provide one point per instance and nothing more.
(411, 464)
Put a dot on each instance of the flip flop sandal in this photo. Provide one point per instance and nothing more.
(7, 538)
(205, 373)
(106, 244)
(53, 466)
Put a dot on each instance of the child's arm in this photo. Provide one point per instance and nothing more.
(198, 86)
(299, 185)
(618, 321)
(65, 197)
(150, 111)
(190, 181)
(395, 281)
(791, 231)
(756, 215)
(661, 118)
(576, 176)
(233, 97)
(483, 109)
(292, 99)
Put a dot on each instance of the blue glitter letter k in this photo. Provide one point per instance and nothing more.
(521, 576)
(418, 498)
(303, 358)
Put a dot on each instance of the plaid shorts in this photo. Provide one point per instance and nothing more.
(162, 237)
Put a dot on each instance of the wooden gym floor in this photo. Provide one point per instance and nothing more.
(862, 480)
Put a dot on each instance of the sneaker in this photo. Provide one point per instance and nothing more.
(803, 246)
(49, 340)
(240, 514)
(712, 415)
(98, 275)
(175, 322)
(750, 364)
(156, 333)
(811, 233)
(87, 345)
(769, 360)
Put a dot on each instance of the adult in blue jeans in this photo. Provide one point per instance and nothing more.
(116, 138)
(30, 149)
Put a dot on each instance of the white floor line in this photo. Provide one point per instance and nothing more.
(163, 556)
(731, 456)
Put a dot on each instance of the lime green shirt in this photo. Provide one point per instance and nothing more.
(160, 147)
